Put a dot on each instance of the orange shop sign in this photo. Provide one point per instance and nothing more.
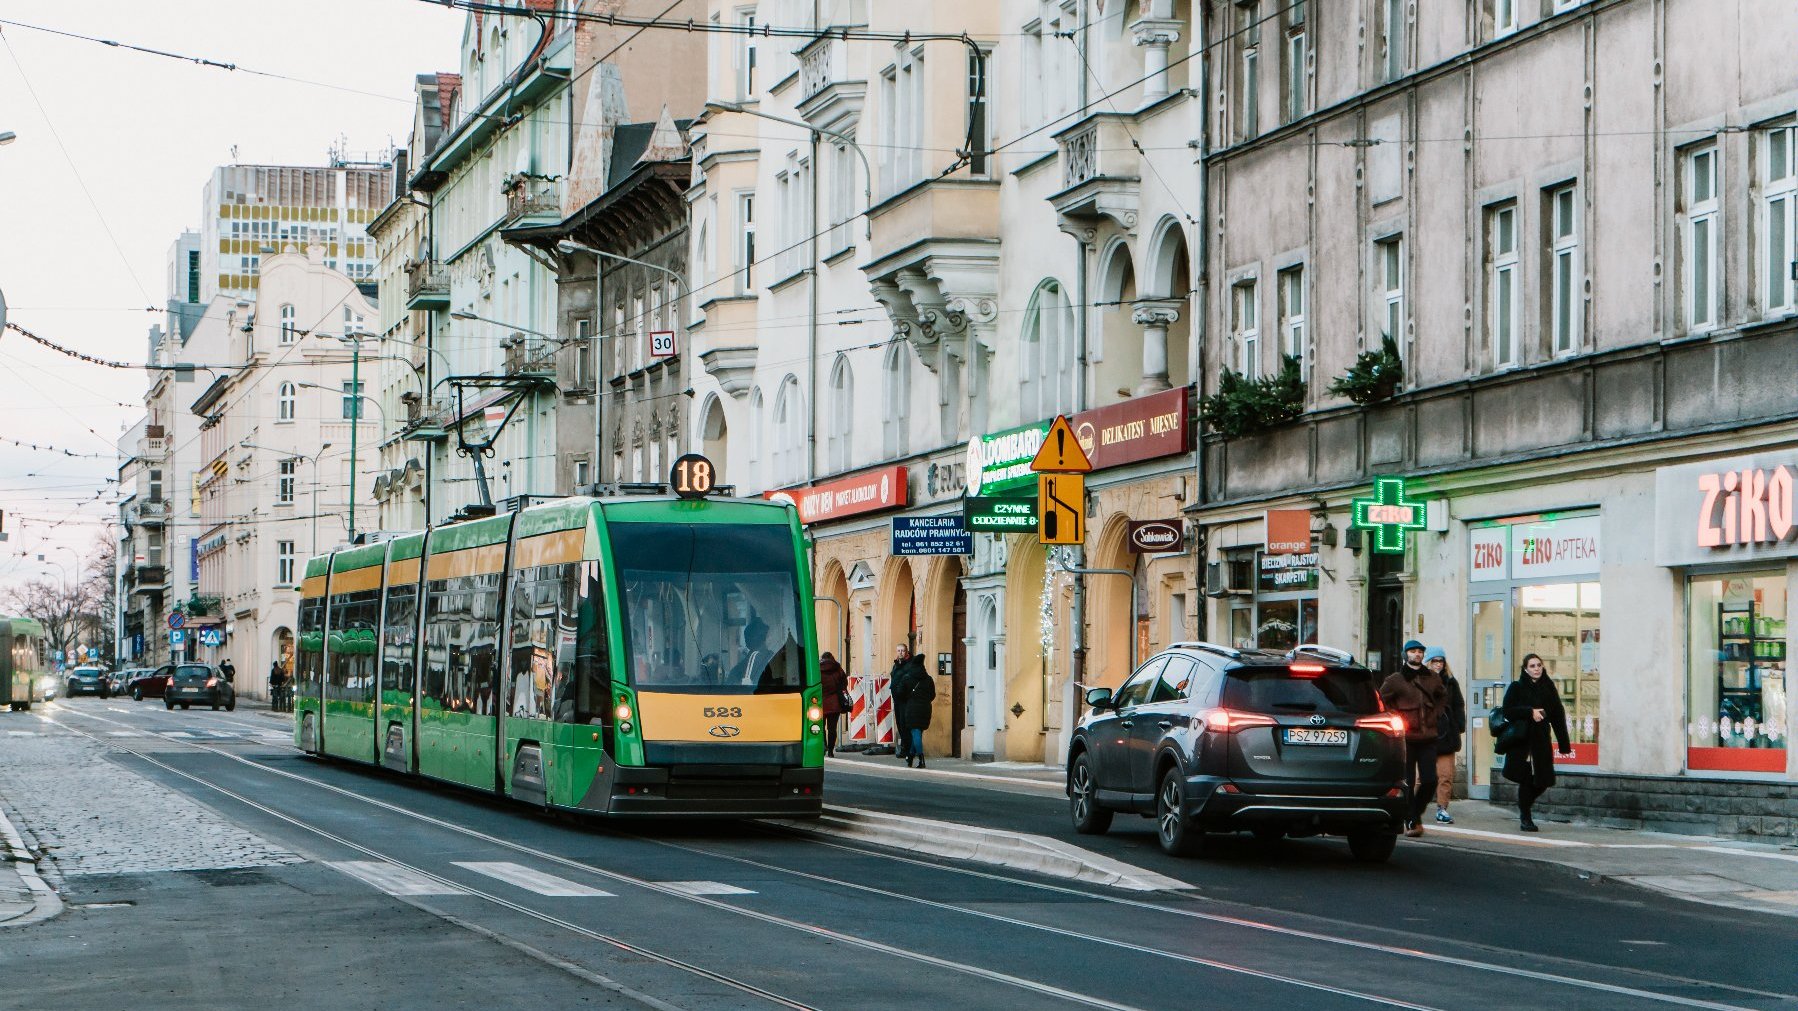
(851, 496)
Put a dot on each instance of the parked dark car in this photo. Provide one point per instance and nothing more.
(1205, 738)
(199, 684)
(87, 681)
(151, 684)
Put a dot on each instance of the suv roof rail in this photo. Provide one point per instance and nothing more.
(1209, 647)
(1327, 652)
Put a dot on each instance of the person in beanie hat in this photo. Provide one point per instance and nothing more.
(1448, 732)
(1417, 694)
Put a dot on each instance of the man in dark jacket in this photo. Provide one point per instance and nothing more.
(833, 681)
(914, 696)
(895, 686)
(1416, 693)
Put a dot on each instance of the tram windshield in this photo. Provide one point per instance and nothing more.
(710, 607)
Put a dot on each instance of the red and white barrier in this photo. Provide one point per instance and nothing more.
(884, 726)
(861, 712)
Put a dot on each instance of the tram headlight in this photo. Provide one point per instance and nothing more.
(815, 713)
(623, 712)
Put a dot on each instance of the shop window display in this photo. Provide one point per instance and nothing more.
(1560, 622)
(1736, 656)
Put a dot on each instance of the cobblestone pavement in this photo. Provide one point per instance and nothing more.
(90, 815)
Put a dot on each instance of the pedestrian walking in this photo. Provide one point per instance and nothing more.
(1534, 701)
(277, 687)
(1449, 733)
(1417, 694)
(834, 683)
(228, 672)
(915, 698)
(896, 678)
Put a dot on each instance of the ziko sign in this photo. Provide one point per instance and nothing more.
(1743, 507)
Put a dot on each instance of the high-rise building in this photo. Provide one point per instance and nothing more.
(252, 211)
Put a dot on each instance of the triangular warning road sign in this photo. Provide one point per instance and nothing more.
(1061, 452)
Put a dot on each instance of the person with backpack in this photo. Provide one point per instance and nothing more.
(833, 681)
(1534, 702)
(1448, 733)
(1417, 694)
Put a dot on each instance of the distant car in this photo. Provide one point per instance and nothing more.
(199, 684)
(88, 681)
(121, 679)
(1205, 738)
(151, 684)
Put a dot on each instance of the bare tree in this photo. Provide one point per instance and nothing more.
(62, 609)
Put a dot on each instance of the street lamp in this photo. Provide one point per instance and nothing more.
(464, 314)
(867, 169)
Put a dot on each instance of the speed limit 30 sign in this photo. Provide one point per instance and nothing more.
(661, 344)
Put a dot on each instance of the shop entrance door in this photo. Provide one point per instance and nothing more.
(1488, 672)
(958, 671)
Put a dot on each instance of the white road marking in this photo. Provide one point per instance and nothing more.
(21, 733)
(394, 879)
(704, 888)
(531, 880)
(116, 709)
(176, 733)
(123, 733)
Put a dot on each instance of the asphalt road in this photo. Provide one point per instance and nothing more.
(413, 895)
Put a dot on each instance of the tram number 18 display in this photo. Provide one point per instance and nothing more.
(693, 476)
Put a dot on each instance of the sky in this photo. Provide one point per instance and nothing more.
(113, 150)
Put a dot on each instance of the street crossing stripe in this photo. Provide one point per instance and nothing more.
(394, 879)
(531, 880)
(123, 733)
(21, 733)
(176, 733)
(704, 888)
(116, 709)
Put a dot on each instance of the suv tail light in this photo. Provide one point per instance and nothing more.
(1226, 721)
(1390, 724)
(1306, 670)
(212, 682)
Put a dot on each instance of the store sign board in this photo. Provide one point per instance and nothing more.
(1153, 537)
(999, 462)
(1288, 531)
(1000, 515)
(1743, 508)
(1280, 573)
(1143, 428)
(931, 535)
(1490, 547)
(1560, 547)
(864, 493)
(1389, 514)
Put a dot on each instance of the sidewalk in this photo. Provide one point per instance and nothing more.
(1720, 872)
(24, 897)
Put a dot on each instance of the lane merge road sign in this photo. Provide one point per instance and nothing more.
(1061, 518)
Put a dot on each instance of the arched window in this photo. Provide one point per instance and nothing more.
(842, 414)
(758, 440)
(702, 252)
(1046, 364)
(290, 327)
(285, 404)
(789, 433)
(495, 70)
(896, 429)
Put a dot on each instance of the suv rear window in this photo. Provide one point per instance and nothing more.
(192, 672)
(1277, 690)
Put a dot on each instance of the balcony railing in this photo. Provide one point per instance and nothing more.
(427, 285)
(528, 197)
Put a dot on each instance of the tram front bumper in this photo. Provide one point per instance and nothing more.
(722, 791)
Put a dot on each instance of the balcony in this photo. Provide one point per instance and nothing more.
(427, 285)
(1101, 174)
(826, 98)
(148, 512)
(529, 357)
(532, 201)
(152, 448)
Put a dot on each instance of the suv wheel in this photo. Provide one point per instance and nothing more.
(1178, 837)
(1372, 847)
(231, 706)
(1083, 801)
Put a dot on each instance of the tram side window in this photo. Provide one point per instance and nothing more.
(534, 677)
(433, 689)
(352, 641)
(310, 666)
(559, 649)
(399, 633)
(461, 643)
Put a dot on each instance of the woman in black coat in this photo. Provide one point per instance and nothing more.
(914, 695)
(1534, 701)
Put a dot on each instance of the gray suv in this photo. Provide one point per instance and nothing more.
(1205, 738)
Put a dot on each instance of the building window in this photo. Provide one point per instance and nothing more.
(583, 354)
(1031, 98)
(758, 438)
(1736, 683)
(1047, 362)
(977, 129)
(284, 483)
(284, 557)
(1248, 71)
(842, 415)
(1294, 339)
(1389, 266)
(896, 426)
(1701, 238)
(285, 403)
(1502, 15)
(1501, 283)
(902, 126)
(156, 486)
(582, 474)
(352, 400)
(789, 434)
(1392, 38)
(1295, 92)
(842, 195)
(746, 245)
(746, 56)
(1566, 302)
(193, 275)
(1779, 224)
(1245, 332)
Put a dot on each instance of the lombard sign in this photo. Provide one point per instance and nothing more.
(1742, 508)
(864, 493)
(999, 462)
(1534, 548)
(1141, 429)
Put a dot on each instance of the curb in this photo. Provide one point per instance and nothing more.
(45, 902)
(1016, 850)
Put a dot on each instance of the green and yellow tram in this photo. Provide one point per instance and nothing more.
(23, 669)
(633, 655)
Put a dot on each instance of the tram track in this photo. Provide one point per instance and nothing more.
(1517, 973)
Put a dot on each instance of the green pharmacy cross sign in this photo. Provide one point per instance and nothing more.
(1388, 514)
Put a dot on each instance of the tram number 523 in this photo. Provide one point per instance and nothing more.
(723, 712)
(693, 476)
